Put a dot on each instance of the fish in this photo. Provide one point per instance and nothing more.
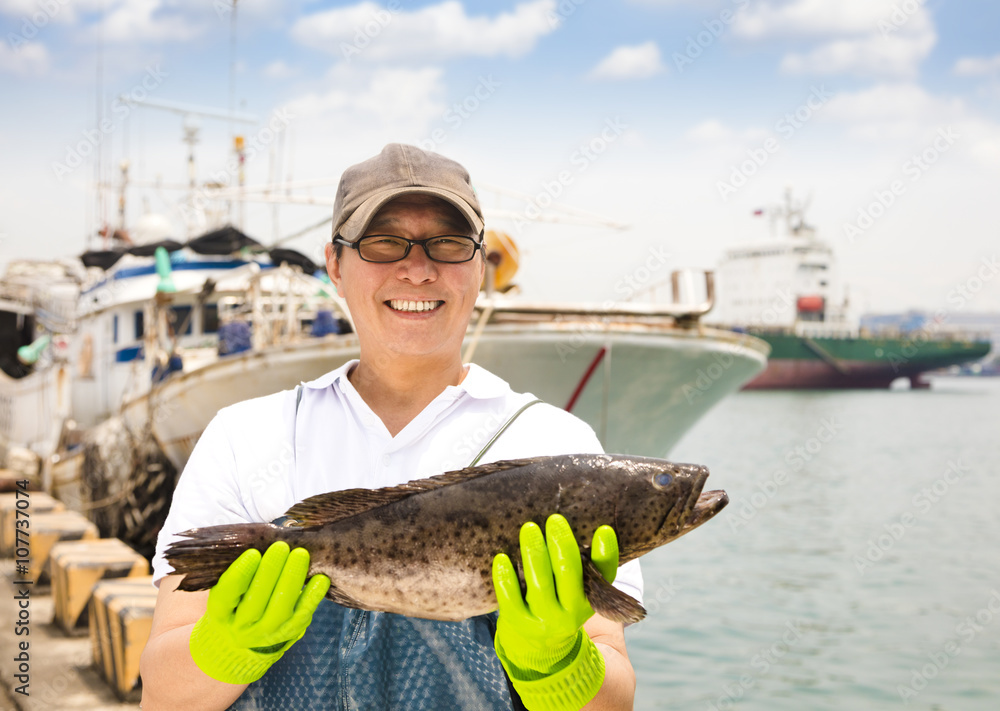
(425, 548)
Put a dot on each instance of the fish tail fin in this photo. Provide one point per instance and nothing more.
(608, 601)
(209, 551)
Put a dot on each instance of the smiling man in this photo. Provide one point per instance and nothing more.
(407, 256)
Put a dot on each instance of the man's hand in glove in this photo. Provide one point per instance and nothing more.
(540, 640)
(256, 611)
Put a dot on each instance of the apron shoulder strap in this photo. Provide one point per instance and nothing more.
(502, 429)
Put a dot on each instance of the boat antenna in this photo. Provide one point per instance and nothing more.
(232, 108)
(98, 206)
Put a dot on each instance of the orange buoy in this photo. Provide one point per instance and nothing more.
(506, 257)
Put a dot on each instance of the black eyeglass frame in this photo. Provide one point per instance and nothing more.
(476, 245)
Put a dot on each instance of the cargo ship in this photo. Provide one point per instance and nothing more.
(788, 292)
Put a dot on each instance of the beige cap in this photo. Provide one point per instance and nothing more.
(400, 170)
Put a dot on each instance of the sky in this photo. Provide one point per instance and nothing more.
(677, 118)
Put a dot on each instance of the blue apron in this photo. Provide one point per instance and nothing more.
(356, 660)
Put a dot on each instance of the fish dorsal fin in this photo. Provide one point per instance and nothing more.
(322, 509)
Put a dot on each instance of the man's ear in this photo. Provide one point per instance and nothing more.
(333, 266)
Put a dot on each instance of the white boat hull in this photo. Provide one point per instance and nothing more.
(649, 387)
(33, 409)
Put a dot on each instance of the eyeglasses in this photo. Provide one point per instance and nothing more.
(450, 249)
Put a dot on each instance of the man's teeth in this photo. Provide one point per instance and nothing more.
(401, 305)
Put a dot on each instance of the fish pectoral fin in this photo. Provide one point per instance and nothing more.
(607, 600)
(334, 594)
(322, 509)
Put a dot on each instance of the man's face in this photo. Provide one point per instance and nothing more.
(413, 307)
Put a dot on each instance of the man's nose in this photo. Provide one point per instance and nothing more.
(417, 266)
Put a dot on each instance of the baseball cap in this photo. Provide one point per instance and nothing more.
(400, 170)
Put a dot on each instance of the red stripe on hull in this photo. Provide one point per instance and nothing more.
(784, 374)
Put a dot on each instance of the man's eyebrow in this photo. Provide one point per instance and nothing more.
(456, 223)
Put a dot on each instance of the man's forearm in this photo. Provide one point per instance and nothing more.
(618, 690)
(171, 680)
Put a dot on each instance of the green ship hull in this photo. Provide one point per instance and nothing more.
(871, 362)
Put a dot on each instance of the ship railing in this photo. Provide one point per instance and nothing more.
(276, 314)
(494, 309)
(928, 332)
(684, 314)
(817, 331)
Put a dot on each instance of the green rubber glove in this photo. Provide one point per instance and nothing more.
(552, 663)
(256, 611)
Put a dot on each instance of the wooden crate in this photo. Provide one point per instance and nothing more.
(76, 566)
(47, 529)
(38, 502)
(121, 615)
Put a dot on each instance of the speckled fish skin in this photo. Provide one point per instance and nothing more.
(425, 549)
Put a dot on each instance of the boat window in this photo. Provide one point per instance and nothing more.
(180, 317)
(210, 318)
(114, 328)
(140, 330)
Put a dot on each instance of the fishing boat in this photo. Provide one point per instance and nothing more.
(788, 292)
(37, 317)
(636, 377)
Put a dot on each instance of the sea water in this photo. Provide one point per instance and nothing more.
(857, 565)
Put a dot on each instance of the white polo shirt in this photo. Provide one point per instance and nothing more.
(257, 458)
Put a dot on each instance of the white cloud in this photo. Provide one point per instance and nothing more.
(370, 32)
(860, 37)
(906, 115)
(403, 101)
(710, 131)
(977, 66)
(630, 62)
(823, 19)
(893, 102)
(29, 59)
(147, 20)
(864, 56)
(278, 69)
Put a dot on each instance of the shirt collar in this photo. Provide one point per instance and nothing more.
(479, 383)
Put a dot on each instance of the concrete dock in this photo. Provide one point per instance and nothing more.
(60, 673)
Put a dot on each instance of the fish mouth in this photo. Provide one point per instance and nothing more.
(708, 504)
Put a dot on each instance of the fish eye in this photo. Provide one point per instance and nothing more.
(662, 480)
